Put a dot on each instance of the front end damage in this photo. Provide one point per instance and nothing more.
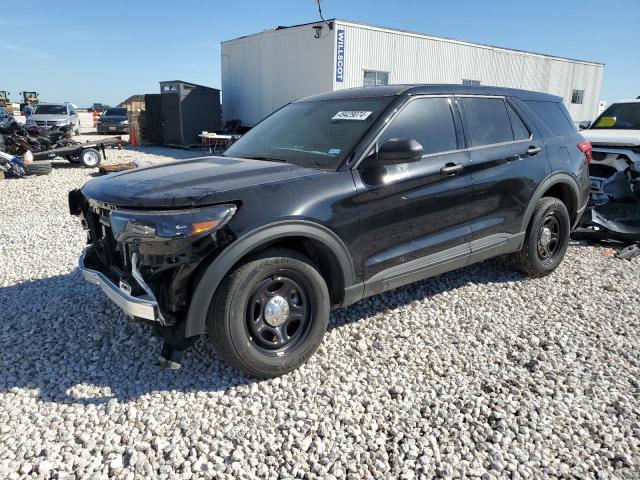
(615, 173)
(148, 262)
(613, 214)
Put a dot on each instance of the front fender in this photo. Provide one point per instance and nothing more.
(223, 263)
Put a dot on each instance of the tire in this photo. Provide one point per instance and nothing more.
(535, 258)
(90, 157)
(39, 168)
(240, 309)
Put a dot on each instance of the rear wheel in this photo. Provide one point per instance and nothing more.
(270, 314)
(546, 240)
(90, 157)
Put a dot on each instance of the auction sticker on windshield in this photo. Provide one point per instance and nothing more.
(358, 115)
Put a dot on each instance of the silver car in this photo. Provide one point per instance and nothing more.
(47, 115)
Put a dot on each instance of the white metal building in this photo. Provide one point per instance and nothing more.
(264, 71)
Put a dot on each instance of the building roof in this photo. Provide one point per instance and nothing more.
(187, 83)
(431, 89)
(421, 35)
(133, 98)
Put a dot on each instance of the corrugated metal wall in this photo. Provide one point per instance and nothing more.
(412, 58)
(263, 72)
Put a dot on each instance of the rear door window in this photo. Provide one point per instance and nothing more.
(487, 120)
(553, 115)
(520, 130)
(427, 120)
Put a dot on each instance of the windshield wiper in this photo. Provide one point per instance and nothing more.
(268, 159)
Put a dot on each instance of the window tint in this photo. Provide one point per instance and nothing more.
(487, 120)
(553, 115)
(624, 116)
(520, 130)
(427, 120)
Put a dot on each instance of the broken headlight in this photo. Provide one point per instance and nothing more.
(164, 225)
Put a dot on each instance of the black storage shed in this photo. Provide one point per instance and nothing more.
(187, 110)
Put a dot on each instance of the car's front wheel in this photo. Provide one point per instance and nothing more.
(269, 315)
(546, 240)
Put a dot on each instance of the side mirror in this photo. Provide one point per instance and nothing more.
(396, 151)
(584, 125)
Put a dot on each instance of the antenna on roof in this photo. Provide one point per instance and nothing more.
(320, 12)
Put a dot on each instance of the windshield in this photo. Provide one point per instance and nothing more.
(50, 109)
(624, 116)
(316, 134)
(116, 112)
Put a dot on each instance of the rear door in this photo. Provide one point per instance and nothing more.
(508, 161)
(414, 211)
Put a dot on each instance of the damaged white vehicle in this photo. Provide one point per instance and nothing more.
(615, 166)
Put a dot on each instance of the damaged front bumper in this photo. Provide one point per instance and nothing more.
(144, 306)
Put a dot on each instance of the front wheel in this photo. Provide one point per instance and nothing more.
(546, 240)
(270, 314)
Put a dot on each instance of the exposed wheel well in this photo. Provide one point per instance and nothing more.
(322, 256)
(563, 192)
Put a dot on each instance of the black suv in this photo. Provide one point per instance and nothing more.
(331, 199)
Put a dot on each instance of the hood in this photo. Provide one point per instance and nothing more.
(113, 118)
(201, 181)
(50, 117)
(613, 137)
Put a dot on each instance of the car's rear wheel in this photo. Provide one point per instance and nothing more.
(270, 314)
(546, 240)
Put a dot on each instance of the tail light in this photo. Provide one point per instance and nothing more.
(585, 147)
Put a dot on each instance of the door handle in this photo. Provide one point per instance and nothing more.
(531, 151)
(451, 169)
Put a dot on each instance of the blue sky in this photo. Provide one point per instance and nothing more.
(83, 51)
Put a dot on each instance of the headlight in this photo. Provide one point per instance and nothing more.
(125, 122)
(149, 226)
(62, 122)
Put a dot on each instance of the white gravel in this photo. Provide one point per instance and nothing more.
(477, 373)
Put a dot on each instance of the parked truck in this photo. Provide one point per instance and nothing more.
(28, 98)
(5, 102)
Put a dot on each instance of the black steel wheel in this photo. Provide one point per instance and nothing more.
(279, 312)
(549, 238)
(269, 315)
(546, 240)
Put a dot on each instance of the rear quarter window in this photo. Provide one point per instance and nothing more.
(554, 115)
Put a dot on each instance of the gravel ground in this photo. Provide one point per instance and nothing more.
(477, 373)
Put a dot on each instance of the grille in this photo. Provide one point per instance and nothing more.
(41, 122)
(102, 239)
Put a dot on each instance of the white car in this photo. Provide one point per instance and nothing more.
(47, 115)
(615, 137)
